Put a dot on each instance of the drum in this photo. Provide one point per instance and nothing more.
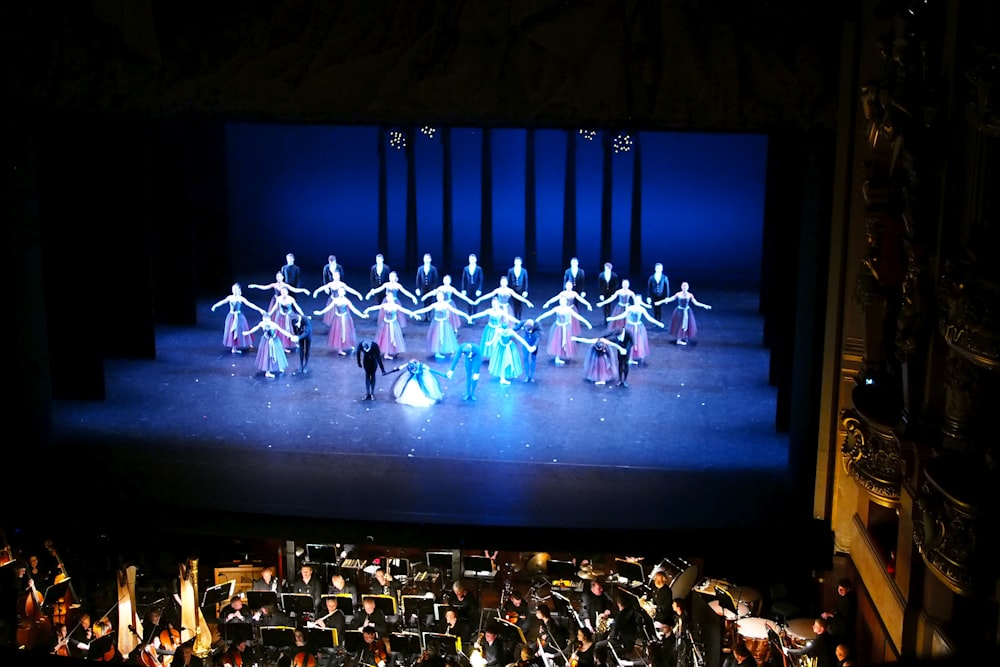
(799, 632)
(754, 634)
(681, 575)
(742, 610)
(745, 600)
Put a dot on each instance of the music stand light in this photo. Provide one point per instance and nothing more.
(445, 644)
(726, 601)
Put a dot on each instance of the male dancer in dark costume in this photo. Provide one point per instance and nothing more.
(517, 280)
(531, 331)
(290, 271)
(303, 329)
(472, 282)
(369, 358)
(473, 357)
(624, 340)
(657, 289)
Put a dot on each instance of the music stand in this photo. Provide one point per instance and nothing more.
(55, 592)
(277, 636)
(321, 637)
(216, 595)
(629, 571)
(511, 633)
(561, 570)
(726, 600)
(387, 603)
(420, 606)
(353, 641)
(444, 644)
(398, 568)
(406, 643)
(439, 610)
(236, 632)
(260, 599)
(322, 553)
(345, 603)
(441, 560)
(477, 566)
(298, 603)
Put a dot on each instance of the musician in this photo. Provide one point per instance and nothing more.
(740, 657)
(339, 586)
(308, 584)
(549, 631)
(384, 585)
(464, 602)
(81, 637)
(841, 620)
(596, 608)
(370, 617)
(515, 610)
(527, 657)
(843, 653)
(583, 656)
(267, 581)
(234, 656)
(153, 625)
(373, 652)
(453, 625)
(332, 617)
(186, 657)
(270, 615)
(683, 639)
(631, 624)
(662, 599)
(822, 647)
(492, 647)
(235, 612)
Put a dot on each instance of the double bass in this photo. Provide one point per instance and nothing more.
(62, 606)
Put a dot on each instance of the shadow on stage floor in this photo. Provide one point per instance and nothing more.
(689, 445)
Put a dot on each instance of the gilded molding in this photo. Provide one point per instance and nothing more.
(968, 321)
(871, 456)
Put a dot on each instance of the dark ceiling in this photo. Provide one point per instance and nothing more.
(723, 65)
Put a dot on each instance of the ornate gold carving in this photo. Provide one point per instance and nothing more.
(871, 455)
(948, 530)
(968, 322)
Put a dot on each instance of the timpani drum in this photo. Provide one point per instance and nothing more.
(799, 632)
(753, 632)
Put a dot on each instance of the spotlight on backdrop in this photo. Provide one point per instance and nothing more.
(589, 135)
(428, 131)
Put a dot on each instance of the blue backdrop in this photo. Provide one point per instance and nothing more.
(313, 191)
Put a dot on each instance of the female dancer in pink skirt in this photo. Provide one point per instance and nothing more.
(236, 321)
(561, 344)
(389, 335)
(342, 337)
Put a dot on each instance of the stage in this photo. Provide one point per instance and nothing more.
(689, 445)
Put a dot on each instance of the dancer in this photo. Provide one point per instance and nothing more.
(342, 336)
(504, 293)
(271, 357)
(426, 280)
(506, 362)
(331, 287)
(379, 272)
(561, 344)
(657, 288)
(622, 296)
(392, 286)
(597, 366)
(389, 335)
(449, 291)
(607, 284)
(576, 277)
(331, 268)
(278, 284)
(531, 331)
(517, 278)
(472, 281)
(441, 336)
(683, 325)
(290, 271)
(634, 315)
(472, 357)
(281, 312)
(497, 316)
(236, 321)
(572, 297)
(303, 330)
(624, 343)
(369, 358)
(416, 384)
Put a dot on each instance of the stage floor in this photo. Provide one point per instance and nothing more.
(690, 444)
